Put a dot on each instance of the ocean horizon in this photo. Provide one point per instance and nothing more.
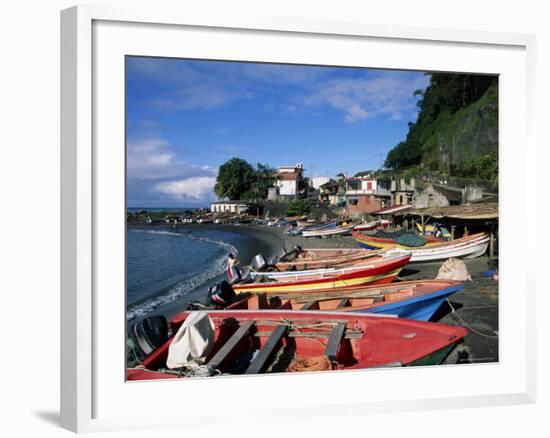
(171, 209)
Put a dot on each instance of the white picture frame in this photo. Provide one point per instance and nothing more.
(93, 39)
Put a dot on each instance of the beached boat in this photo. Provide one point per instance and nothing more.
(374, 242)
(471, 246)
(205, 220)
(272, 341)
(313, 223)
(377, 271)
(290, 221)
(367, 226)
(316, 258)
(319, 226)
(329, 231)
(418, 299)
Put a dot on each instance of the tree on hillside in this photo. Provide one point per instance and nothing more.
(235, 177)
(446, 94)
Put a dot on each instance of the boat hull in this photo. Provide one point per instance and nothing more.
(333, 231)
(417, 300)
(420, 308)
(381, 272)
(468, 247)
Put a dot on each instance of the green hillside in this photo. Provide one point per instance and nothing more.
(456, 132)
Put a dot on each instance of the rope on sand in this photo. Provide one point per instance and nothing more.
(461, 321)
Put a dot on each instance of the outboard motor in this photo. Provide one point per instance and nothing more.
(258, 263)
(272, 261)
(148, 334)
(221, 294)
(290, 256)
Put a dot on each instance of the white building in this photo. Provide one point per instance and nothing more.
(237, 207)
(287, 179)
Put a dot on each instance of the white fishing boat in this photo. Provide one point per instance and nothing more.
(350, 267)
(366, 226)
(336, 231)
(468, 248)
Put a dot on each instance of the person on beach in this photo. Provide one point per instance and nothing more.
(233, 272)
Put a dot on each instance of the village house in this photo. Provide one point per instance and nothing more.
(236, 207)
(441, 195)
(287, 182)
(365, 193)
(333, 192)
(402, 192)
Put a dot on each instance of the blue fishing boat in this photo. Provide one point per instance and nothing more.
(417, 300)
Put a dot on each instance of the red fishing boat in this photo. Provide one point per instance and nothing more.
(271, 341)
(376, 271)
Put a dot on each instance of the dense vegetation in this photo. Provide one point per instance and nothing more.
(239, 180)
(456, 132)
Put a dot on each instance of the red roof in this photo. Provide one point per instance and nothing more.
(288, 176)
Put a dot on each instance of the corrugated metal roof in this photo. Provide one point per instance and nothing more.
(487, 211)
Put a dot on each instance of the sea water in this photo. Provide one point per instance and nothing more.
(165, 264)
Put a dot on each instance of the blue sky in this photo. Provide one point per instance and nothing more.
(187, 117)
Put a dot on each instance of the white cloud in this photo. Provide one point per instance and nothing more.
(203, 86)
(153, 171)
(197, 188)
(182, 86)
(389, 93)
(149, 152)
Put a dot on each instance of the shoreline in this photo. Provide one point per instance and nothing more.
(249, 240)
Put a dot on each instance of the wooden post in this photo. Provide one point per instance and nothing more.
(423, 225)
(453, 227)
(406, 224)
(491, 243)
(465, 231)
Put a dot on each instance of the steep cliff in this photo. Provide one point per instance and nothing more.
(456, 132)
(463, 137)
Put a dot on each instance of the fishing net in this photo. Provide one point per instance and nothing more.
(319, 363)
(411, 240)
(388, 234)
(402, 237)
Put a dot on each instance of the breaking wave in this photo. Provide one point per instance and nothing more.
(183, 287)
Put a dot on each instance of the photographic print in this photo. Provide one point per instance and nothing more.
(294, 218)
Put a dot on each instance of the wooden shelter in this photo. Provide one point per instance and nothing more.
(468, 217)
